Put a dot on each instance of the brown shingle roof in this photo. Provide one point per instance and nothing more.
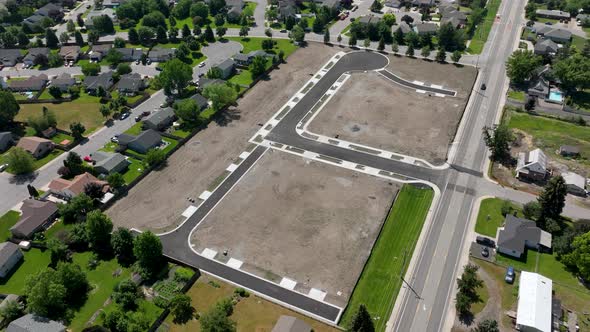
(34, 214)
(31, 143)
(76, 185)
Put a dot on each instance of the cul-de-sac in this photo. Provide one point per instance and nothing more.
(294, 165)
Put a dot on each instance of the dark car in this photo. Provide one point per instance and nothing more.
(548, 23)
(138, 118)
(145, 113)
(485, 241)
(124, 115)
(483, 86)
(509, 277)
(159, 68)
(485, 252)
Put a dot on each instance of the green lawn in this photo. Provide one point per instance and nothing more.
(550, 134)
(581, 99)
(380, 282)
(526, 263)
(57, 227)
(545, 20)
(490, 216)
(171, 145)
(255, 43)
(135, 129)
(244, 78)
(578, 42)
(34, 260)
(103, 280)
(133, 171)
(516, 95)
(480, 36)
(8, 220)
(60, 137)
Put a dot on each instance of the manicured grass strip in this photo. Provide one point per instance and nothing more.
(380, 280)
(244, 78)
(490, 216)
(134, 170)
(34, 260)
(254, 43)
(135, 129)
(480, 36)
(516, 95)
(8, 220)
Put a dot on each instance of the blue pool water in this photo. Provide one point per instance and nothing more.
(556, 96)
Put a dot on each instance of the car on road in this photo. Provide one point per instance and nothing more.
(146, 113)
(202, 64)
(115, 139)
(283, 31)
(485, 252)
(138, 118)
(548, 23)
(509, 277)
(3, 167)
(124, 115)
(148, 61)
(485, 241)
(159, 68)
(483, 86)
(137, 61)
(88, 159)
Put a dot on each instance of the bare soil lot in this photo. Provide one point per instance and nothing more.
(371, 110)
(158, 201)
(305, 220)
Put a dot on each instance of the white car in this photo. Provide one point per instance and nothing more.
(3, 167)
(202, 64)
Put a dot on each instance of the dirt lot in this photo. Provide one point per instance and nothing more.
(371, 110)
(304, 220)
(157, 202)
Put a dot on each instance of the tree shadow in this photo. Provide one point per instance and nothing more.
(466, 318)
(23, 178)
(227, 116)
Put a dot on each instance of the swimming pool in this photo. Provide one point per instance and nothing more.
(556, 96)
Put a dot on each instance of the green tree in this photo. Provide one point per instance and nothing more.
(188, 111)
(46, 295)
(487, 325)
(268, 44)
(352, 40)
(580, 255)
(175, 76)
(449, 38)
(93, 36)
(258, 66)
(11, 311)
(114, 57)
(216, 320)
(456, 56)
(531, 210)
(123, 68)
(376, 6)
(103, 24)
(520, 65)
(122, 244)
(389, 19)
(181, 309)
(425, 52)
(394, 48)
(220, 31)
(51, 39)
(91, 69)
(64, 37)
(220, 95)
(119, 42)
(98, 230)
(79, 39)
(209, 36)
(186, 31)
(381, 45)
(410, 51)
(441, 55)
(552, 199)
(366, 43)
(76, 209)
(75, 282)
(8, 109)
(467, 289)
(116, 180)
(133, 36)
(498, 140)
(127, 294)
(20, 161)
(147, 248)
(70, 26)
(297, 34)
(145, 34)
(155, 157)
(58, 251)
(55, 92)
(77, 129)
(362, 321)
(573, 72)
(214, 72)
(244, 31)
(54, 60)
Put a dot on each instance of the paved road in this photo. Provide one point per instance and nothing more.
(412, 85)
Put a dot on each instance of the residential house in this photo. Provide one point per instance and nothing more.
(227, 68)
(369, 19)
(131, 84)
(287, 8)
(204, 82)
(6, 140)
(234, 9)
(576, 184)
(64, 82)
(581, 18)
(161, 54)
(291, 324)
(34, 323)
(70, 53)
(404, 27)
(201, 101)
(534, 311)
(519, 234)
(50, 10)
(553, 14)
(159, 120)
(35, 216)
(558, 35)
(393, 4)
(130, 54)
(108, 163)
(36, 146)
(332, 4)
(10, 255)
(89, 21)
(532, 165)
(567, 151)
(99, 51)
(104, 80)
(245, 60)
(34, 21)
(426, 28)
(33, 83)
(423, 3)
(451, 14)
(49, 132)
(29, 59)
(146, 140)
(71, 188)
(10, 57)
(546, 47)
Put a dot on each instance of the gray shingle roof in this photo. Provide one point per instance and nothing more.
(33, 323)
(145, 140)
(7, 249)
(131, 82)
(108, 161)
(103, 79)
(158, 117)
(517, 231)
(35, 213)
(33, 52)
(200, 100)
(226, 65)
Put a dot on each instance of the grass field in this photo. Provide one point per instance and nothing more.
(8, 220)
(516, 95)
(491, 207)
(133, 171)
(550, 134)
(254, 43)
(135, 129)
(60, 137)
(578, 42)
(380, 282)
(34, 260)
(244, 78)
(480, 36)
(102, 280)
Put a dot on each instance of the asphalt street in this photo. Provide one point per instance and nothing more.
(416, 86)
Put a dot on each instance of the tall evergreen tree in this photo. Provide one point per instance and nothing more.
(552, 199)
(362, 321)
(51, 39)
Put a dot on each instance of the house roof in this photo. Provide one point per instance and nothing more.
(532, 159)
(77, 184)
(63, 79)
(131, 82)
(426, 27)
(225, 65)
(103, 79)
(8, 298)
(108, 160)
(557, 33)
(331, 3)
(241, 57)
(517, 231)
(102, 48)
(574, 179)
(129, 52)
(546, 45)
(290, 324)
(33, 323)
(31, 83)
(555, 13)
(10, 54)
(31, 143)
(161, 116)
(33, 52)
(161, 52)
(146, 139)
(534, 301)
(200, 100)
(68, 51)
(7, 249)
(569, 149)
(34, 214)
(204, 82)
(5, 136)
(404, 27)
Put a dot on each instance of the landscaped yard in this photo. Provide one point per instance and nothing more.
(171, 144)
(34, 260)
(38, 163)
(135, 129)
(61, 137)
(490, 216)
(516, 95)
(196, 57)
(578, 42)
(8, 220)
(103, 278)
(254, 43)
(134, 170)
(244, 78)
(379, 283)
(480, 36)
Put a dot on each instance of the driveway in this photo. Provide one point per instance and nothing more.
(216, 53)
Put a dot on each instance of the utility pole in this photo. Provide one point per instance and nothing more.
(401, 276)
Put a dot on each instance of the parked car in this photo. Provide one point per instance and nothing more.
(202, 64)
(483, 86)
(509, 277)
(548, 23)
(485, 241)
(124, 115)
(138, 118)
(485, 252)
(115, 139)
(146, 113)
(87, 158)
(3, 167)
(283, 31)
(137, 62)
(159, 68)
(148, 62)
